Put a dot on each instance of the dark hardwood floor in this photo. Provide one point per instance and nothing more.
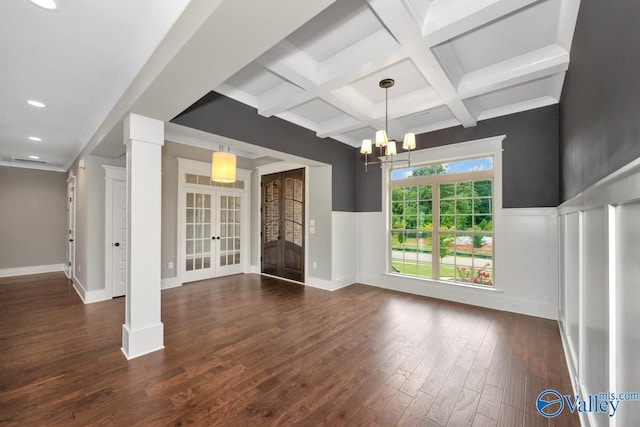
(247, 350)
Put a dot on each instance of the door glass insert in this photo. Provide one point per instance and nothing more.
(198, 238)
(293, 207)
(272, 210)
(230, 214)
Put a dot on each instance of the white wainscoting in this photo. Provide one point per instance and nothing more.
(526, 267)
(343, 253)
(600, 292)
(343, 244)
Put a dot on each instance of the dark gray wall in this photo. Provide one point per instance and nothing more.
(530, 164)
(600, 104)
(223, 116)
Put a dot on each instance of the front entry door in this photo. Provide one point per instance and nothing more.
(282, 208)
(119, 238)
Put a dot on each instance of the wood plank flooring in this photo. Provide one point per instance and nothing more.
(248, 350)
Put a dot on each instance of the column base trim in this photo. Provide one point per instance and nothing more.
(142, 341)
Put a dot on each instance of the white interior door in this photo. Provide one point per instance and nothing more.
(200, 242)
(71, 211)
(229, 214)
(119, 238)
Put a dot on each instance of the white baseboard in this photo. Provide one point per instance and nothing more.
(530, 308)
(89, 297)
(330, 285)
(36, 269)
(573, 376)
(170, 282)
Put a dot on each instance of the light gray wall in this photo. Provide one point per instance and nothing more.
(90, 219)
(33, 216)
(319, 201)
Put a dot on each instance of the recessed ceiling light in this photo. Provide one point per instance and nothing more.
(45, 4)
(35, 138)
(35, 103)
(34, 157)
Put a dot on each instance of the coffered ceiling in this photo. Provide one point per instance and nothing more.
(454, 62)
(315, 63)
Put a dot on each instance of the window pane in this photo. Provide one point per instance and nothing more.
(447, 222)
(411, 194)
(425, 222)
(464, 206)
(191, 179)
(464, 222)
(483, 188)
(447, 207)
(411, 222)
(425, 192)
(425, 208)
(447, 191)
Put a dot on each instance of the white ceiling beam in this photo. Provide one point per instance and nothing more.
(237, 94)
(409, 104)
(290, 63)
(395, 17)
(368, 55)
(567, 22)
(540, 63)
(436, 126)
(518, 107)
(283, 98)
(472, 15)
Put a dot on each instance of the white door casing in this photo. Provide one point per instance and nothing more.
(119, 238)
(115, 239)
(71, 223)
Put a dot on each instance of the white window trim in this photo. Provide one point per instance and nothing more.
(477, 148)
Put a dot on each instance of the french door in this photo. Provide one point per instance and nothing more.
(282, 207)
(213, 231)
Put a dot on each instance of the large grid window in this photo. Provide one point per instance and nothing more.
(442, 221)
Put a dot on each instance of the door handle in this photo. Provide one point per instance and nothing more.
(215, 238)
(116, 244)
(71, 240)
(278, 237)
(218, 238)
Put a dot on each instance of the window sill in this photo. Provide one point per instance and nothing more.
(444, 282)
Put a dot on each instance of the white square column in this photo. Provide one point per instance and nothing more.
(143, 331)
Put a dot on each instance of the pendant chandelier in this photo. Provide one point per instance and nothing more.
(223, 166)
(386, 147)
